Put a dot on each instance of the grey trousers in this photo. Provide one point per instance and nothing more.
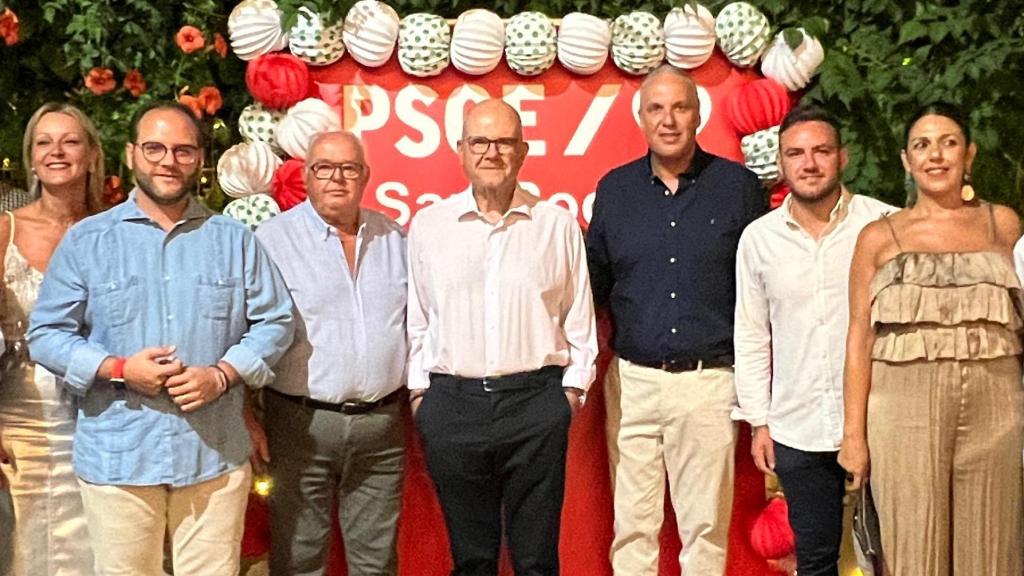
(320, 459)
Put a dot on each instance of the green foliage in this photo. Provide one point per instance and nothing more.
(884, 60)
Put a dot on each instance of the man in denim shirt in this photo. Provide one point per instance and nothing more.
(154, 313)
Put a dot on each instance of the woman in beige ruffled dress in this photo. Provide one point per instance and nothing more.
(37, 419)
(934, 401)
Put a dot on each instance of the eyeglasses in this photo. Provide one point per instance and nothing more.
(327, 170)
(154, 152)
(480, 145)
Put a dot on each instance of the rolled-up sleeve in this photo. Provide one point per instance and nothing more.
(270, 314)
(56, 335)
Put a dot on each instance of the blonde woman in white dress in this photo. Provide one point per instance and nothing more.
(37, 419)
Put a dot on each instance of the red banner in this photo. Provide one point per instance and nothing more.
(578, 127)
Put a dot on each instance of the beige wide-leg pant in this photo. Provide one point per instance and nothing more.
(946, 440)
(676, 426)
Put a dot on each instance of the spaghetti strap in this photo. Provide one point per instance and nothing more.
(10, 239)
(991, 223)
(893, 231)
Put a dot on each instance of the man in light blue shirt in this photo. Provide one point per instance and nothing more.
(332, 416)
(155, 313)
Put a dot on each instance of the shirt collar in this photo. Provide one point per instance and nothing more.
(700, 161)
(837, 215)
(319, 225)
(522, 203)
(129, 209)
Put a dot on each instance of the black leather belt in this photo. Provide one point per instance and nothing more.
(503, 383)
(678, 366)
(346, 407)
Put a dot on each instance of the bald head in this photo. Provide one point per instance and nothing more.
(339, 137)
(670, 74)
(490, 111)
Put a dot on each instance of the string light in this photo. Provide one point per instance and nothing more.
(262, 485)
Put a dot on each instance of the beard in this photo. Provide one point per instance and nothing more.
(811, 196)
(149, 188)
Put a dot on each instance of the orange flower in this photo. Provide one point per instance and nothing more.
(100, 81)
(190, 39)
(193, 103)
(210, 100)
(113, 193)
(220, 46)
(10, 29)
(134, 83)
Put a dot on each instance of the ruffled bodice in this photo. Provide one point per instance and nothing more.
(950, 305)
(21, 288)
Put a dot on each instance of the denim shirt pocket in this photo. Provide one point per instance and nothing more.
(215, 296)
(118, 300)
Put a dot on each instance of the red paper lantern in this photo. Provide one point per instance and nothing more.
(288, 185)
(277, 80)
(777, 195)
(771, 536)
(256, 535)
(757, 105)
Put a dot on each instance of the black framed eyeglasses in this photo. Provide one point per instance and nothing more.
(480, 145)
(327, 170)
(155, 152)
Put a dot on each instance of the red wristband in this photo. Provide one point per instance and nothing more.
(117, 370)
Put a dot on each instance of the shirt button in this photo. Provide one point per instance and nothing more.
(170, 316)
(674, 330)
(672, 295)
(167, 278)
(672, 223)
(672, 260)
(667, 193)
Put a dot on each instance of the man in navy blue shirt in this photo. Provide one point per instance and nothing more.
(662, 254)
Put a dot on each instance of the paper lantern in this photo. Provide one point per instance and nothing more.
(530, 43)
(423, 44)
(289, 187)
(254, 29)
(370, 32)
(761, 154)
(277, 80)
(478, 41)
(259, 124)
(304, 120)
(793, 68)
(638, 42)
(743, 33)
(246, 169)
(757, 105)
(252, 210)
(689, 36)
(771, 536)
(583, 42)
(314, 43)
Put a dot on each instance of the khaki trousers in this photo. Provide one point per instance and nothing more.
(127, 526)
(676, 426)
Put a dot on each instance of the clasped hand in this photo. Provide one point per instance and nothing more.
(156, 368)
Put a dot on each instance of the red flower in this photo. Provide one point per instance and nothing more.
(100, 81)
(135, 83)
(210, 100)
(220, 45)
(10, 29)
(277, 80)
(288, 186)
(193, 103)
(113, 193)
(190, 39)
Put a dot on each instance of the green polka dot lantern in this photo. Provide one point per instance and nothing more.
(530, 43)
(259, 124)
(761, 153)
(252, 210)
(638, 42)
(743, 33)
(314, 43)
(423, 44)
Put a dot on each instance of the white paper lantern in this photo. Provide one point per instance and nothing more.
(743, 33)
(530, 43)
(254, 29)
(761, 154)
(583, 42)
(638, 42)
(304, 120)
(423, 44)
(314, 43)
(478, 41)
(689, 36)
(247, 168)
(793, 68)
(252, 210)
(370, 32)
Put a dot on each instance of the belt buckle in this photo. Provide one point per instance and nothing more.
(486, 382)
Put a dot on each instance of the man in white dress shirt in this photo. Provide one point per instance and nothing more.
(502, 349)
(792, 276)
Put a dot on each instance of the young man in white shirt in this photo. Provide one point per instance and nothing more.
(792, 276)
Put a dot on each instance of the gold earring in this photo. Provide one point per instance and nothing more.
(967, 191)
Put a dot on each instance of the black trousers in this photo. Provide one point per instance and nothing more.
(814, 484)
(494, 453)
